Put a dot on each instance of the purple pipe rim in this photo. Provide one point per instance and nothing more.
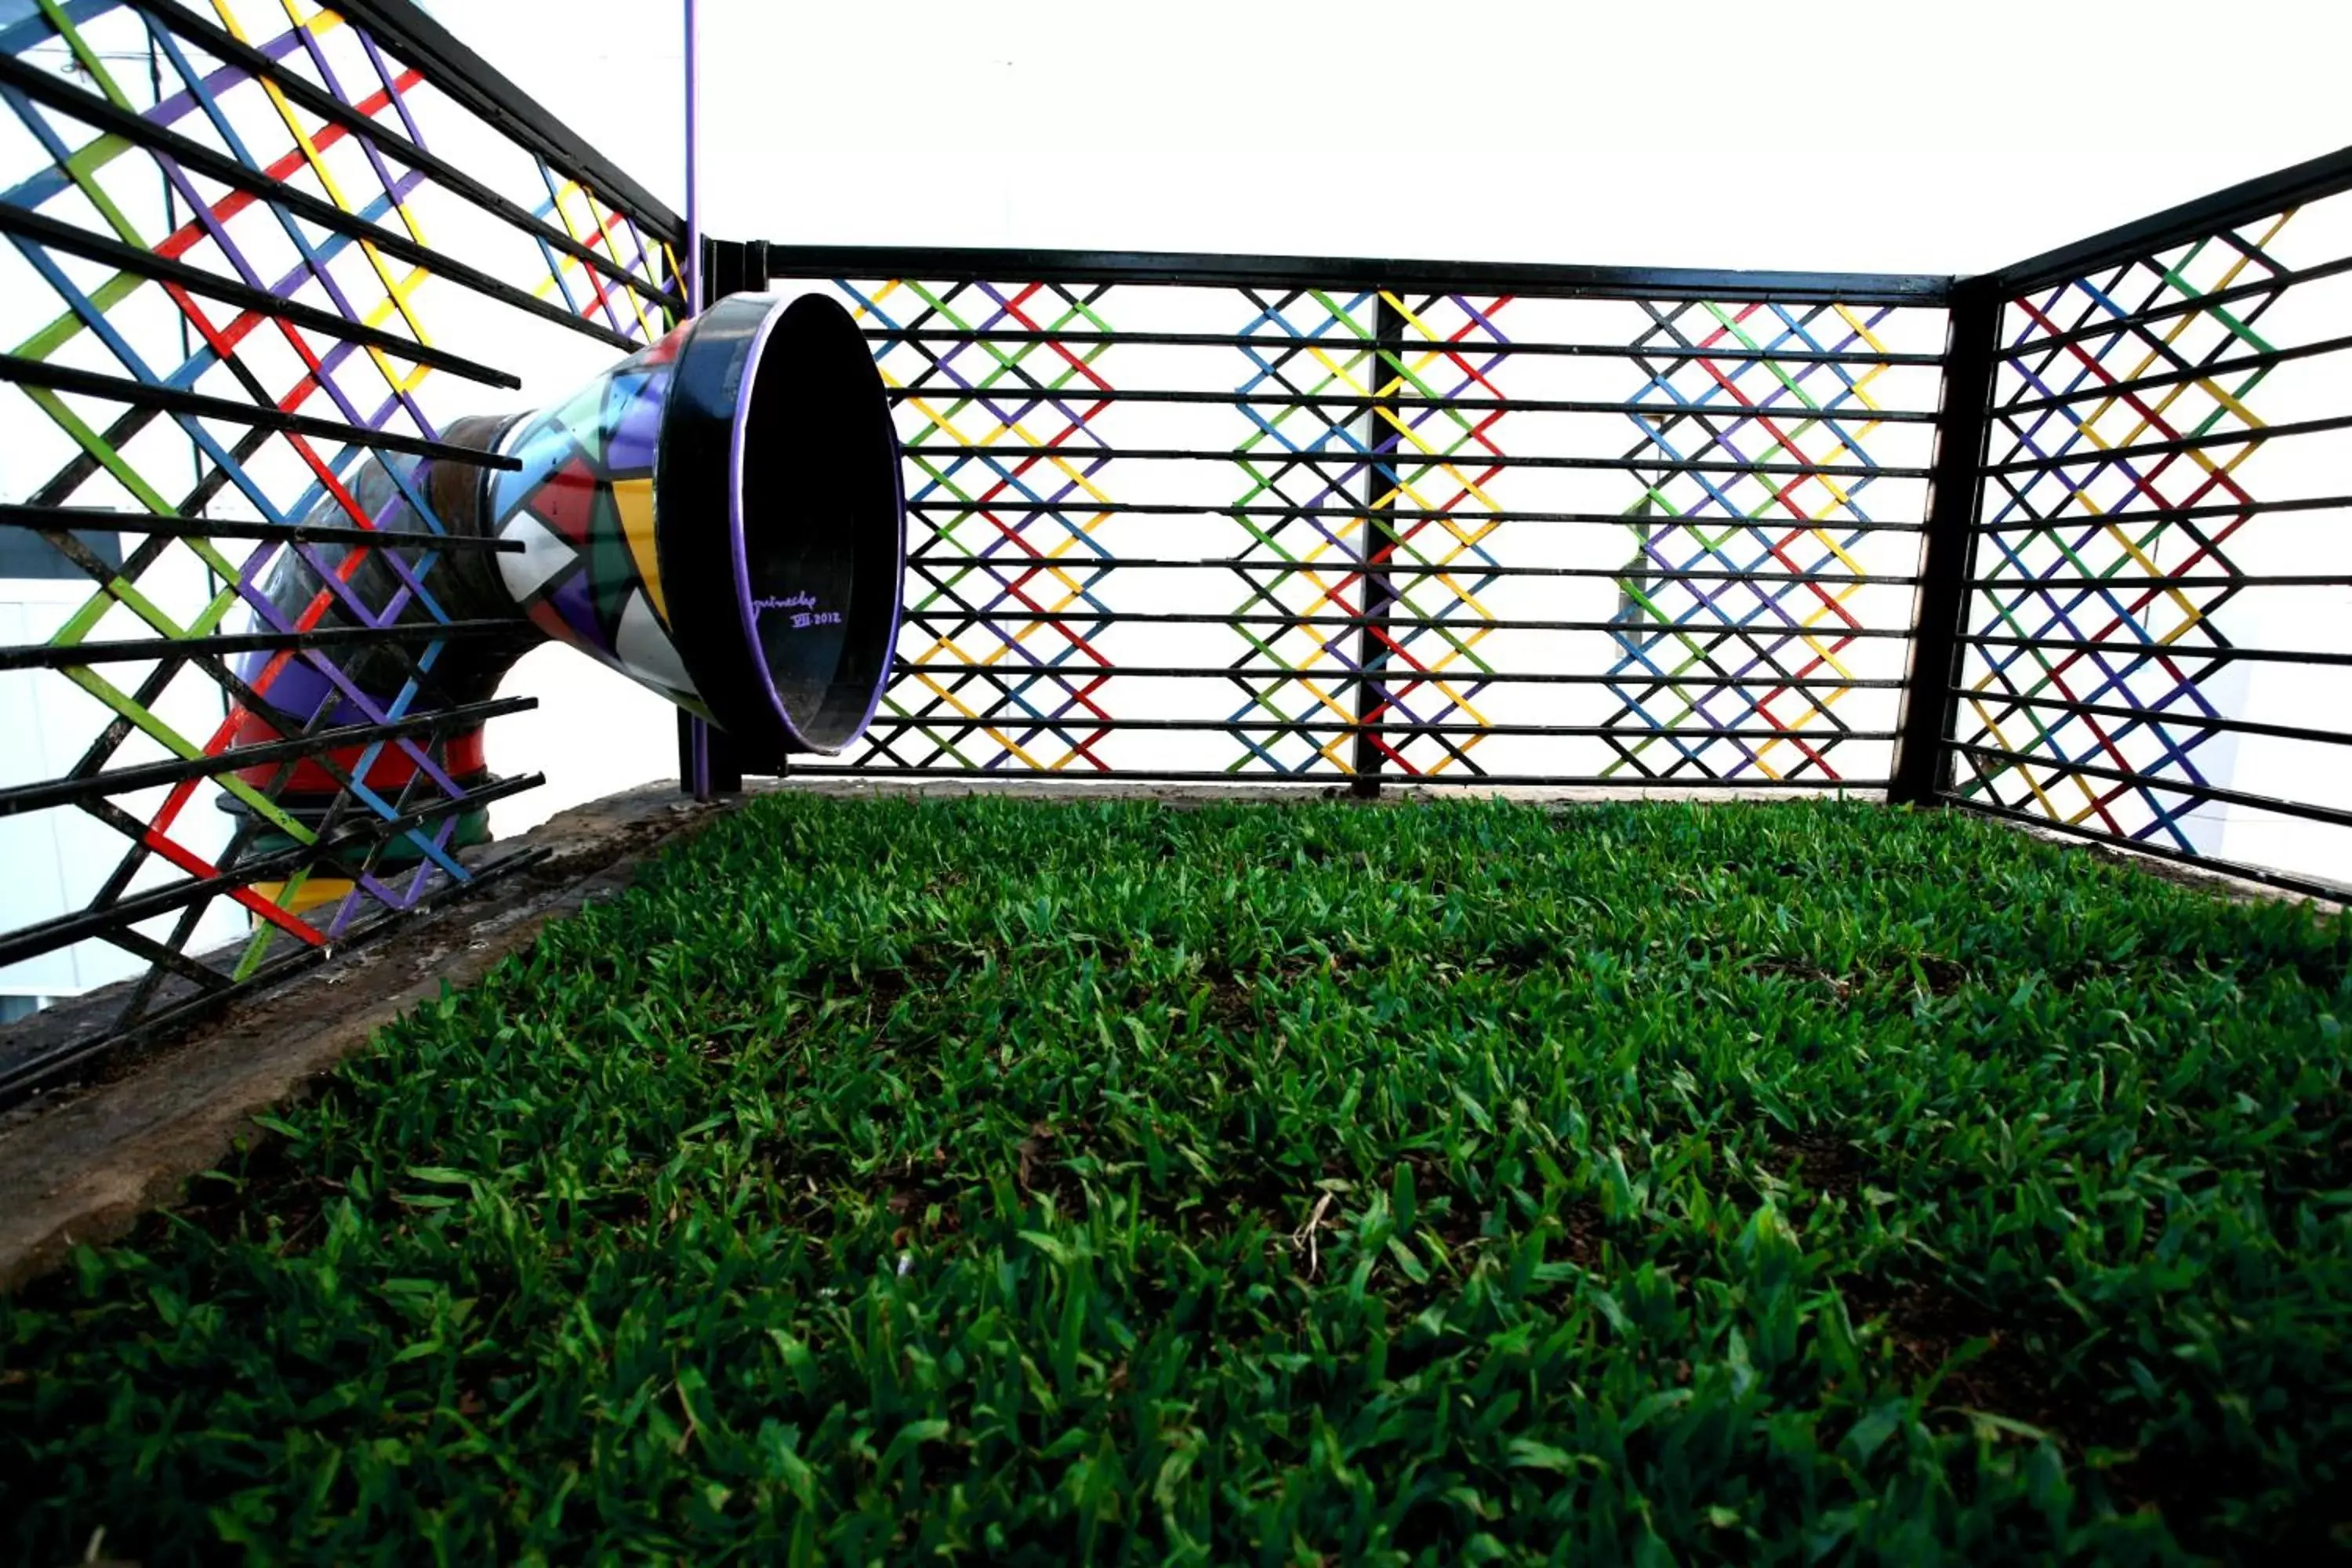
(812, 548)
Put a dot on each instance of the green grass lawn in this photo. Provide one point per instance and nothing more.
(997, 1181)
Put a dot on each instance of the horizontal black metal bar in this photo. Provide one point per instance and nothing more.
(407, 31)
(226, 47)
(2186, 305)
(1415, 460)
(1394, 347)
(2335, 816)
(53, 519)
(2165, 448)
(1539, 279)
(2227, 208)
(27, 372)
(1857, 413)
(1399, 566)
(139, 131)
(1390, 674)
(2323, 579)
(1399, 622)
(67, 655)
(2110, 391)
(2167, 515)
(48, 936)
(27, 1075)
(1016, 506)
(2164, 650)
(2172, 718)
(2238, 868)
(26, 224)
(1335, 777)
(148, 775)
(1401, 728)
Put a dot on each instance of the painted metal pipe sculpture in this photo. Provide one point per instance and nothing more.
(717, 517)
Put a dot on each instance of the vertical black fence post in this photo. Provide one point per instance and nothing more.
(1377, 546)
(1923, 757)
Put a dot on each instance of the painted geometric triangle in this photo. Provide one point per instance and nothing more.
(540, 451)
(584, 418)
(544, 554)
(567, 500)
(610, 561)
(632, 411)
(574, 598)
(634, 499)
(647, 651)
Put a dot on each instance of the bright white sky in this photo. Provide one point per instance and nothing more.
(1891, 135)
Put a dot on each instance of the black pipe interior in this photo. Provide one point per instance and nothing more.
(821, 521)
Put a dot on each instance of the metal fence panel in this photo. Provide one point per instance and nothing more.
(1267, 518)
(256, 256)
(2160, 580)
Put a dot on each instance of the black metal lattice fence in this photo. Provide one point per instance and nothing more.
(253, 276)
(1233, 517)
(2146, 588)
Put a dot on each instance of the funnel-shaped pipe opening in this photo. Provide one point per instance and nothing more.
(778, 443)
(718, 516)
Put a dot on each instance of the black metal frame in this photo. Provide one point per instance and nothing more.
(51, 92)
(1922, 768)
(405, 29)
(473, 82)
(93, 247)
(2328, 175)
(1542, 279)
(729, 267)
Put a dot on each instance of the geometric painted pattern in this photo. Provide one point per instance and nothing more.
(1283, 531)
(1007, 486)
(581, 507)
(232, 228)
(1740, 613)
(1378, 561)
(1445, 543)
(2114, 616)
(1309, 541)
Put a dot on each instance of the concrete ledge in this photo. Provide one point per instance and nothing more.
(83, 1166)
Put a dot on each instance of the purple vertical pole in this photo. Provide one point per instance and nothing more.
(693, 160)
(698, 730)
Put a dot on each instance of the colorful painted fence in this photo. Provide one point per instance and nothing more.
(2065, 543)
(2154, 645)
(1220, 518)
(257, 252)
